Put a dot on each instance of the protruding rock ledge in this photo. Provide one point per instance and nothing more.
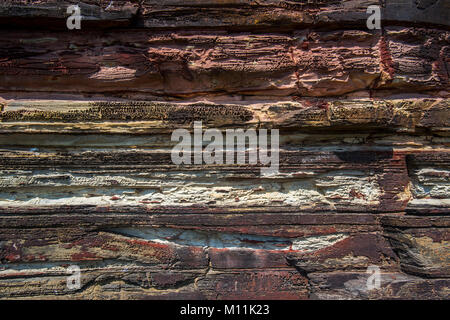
(230, 14)
(400, 115)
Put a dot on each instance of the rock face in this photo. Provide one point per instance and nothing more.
(86, 176)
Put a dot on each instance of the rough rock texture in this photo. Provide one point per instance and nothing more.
(86, 176)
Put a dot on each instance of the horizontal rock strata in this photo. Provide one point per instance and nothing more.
(87, 179)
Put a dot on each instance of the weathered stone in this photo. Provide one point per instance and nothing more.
(86, 176)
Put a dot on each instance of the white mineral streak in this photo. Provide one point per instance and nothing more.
(184, 189)
(317, 242)
(431, 183)
(230, 240)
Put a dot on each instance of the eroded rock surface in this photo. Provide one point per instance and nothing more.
(86, 176)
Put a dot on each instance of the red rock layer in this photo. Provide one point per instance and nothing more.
(86, 176)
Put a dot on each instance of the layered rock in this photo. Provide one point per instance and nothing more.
(86, 176)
